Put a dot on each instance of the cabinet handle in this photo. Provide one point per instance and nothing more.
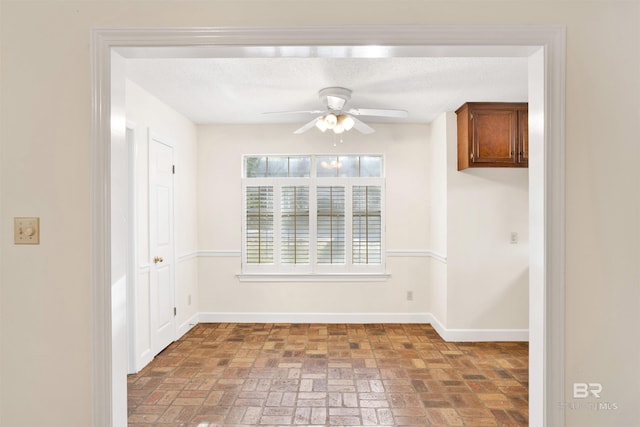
(157, 259)
(512, 152)
(522, 153)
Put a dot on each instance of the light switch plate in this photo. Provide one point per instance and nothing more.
(26, 230)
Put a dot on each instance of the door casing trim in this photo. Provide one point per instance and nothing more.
(547, 320)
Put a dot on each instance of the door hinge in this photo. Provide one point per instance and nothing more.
(175, 311)
(173, 169)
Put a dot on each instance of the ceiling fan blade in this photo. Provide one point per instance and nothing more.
(295, 112)
(362, 127)
(306, 126)
(378, 112)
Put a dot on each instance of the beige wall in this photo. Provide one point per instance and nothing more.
(45, 335)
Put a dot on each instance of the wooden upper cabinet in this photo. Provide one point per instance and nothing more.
(493, 134)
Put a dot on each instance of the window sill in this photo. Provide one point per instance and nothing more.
(344, 277)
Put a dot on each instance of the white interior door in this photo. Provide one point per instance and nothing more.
(161, 245)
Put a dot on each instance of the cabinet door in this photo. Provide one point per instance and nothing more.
(523, 138)
(495, 133)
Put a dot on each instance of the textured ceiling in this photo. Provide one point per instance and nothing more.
(240, 90)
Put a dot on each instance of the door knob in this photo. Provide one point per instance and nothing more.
(157, 259)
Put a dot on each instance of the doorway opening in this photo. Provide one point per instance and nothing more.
(545, 49)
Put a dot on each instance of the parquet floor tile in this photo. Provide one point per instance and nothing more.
(241, 375)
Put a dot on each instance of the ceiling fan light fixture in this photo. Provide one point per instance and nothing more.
(346, 121)
(338, 118)
(321, 124)
(331, 120)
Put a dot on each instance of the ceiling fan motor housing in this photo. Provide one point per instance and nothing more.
(336, 118)
(335, 97)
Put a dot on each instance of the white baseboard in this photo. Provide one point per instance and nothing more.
(186, 326)
(143, 360)
(147, 356)
(449, 335)
(315, 317)
(478, 335)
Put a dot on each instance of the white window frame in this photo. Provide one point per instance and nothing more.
(313, 271)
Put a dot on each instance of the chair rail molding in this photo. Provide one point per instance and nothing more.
(544, 45)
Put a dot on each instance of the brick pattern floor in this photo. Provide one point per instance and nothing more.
(330, 375)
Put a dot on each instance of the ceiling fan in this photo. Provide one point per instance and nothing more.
(336, 117)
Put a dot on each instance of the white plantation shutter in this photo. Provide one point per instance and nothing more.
(366, 239)
(259, 225)
(331, 225)
(313, 215)
(294, 225)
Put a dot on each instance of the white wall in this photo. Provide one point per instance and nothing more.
(437, 169)
(45, 171)
(484, 282)
(487, 276)
(465, 217)
(419, 171)
(219, 168)
(148, 116)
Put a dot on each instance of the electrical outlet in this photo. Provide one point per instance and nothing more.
(409, 295)
(514, 238)
(189, 299)
(26, 230)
